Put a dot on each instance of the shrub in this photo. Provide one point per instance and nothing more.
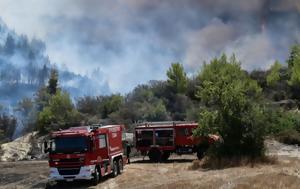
(279, 121)
(231, 109)
(289, 136)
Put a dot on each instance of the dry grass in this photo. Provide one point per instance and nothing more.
(221, 163)
(269, 181)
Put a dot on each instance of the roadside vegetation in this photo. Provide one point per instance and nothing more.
(240, 106)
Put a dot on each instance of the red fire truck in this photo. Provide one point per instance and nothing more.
(85, 153)
(159, 139)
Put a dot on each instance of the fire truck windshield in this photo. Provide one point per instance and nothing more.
(76, 144)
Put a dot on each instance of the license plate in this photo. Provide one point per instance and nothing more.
(69, 180)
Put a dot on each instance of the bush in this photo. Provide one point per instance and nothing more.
(231, 109)
(289, 136)
(279, 121)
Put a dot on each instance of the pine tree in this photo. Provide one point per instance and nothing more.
(53, 82)
(177, 78)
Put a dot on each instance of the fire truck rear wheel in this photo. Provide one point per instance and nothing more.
(120, 166)
(115, 169)
(154, 155)
(201, 152)
(96, 177)
(165, 156)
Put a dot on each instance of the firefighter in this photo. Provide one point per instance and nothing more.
(128, 150)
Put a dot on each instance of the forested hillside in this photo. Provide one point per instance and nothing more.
(24, 69)
(222, 97)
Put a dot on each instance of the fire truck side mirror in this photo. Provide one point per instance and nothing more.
(46, 149)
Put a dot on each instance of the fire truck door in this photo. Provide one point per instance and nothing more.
(103, 146)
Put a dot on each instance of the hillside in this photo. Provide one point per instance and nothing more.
(25, 66)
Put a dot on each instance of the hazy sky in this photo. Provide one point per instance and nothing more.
(134, 41)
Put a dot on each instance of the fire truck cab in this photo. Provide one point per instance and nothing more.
(159, 139)
(86, 153)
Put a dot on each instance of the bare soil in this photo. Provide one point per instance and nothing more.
(174, 174)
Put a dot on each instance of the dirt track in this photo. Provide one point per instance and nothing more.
(173, 174)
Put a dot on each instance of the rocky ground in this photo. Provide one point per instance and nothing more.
(173, 174)
(27, 147)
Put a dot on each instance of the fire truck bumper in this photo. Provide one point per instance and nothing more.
(84, 174)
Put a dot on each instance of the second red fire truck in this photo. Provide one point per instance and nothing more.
(159, 139)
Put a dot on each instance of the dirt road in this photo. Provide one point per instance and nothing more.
(173, 174)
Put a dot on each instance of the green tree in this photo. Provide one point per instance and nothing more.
(112, 104)
(87, 105)
(25, 106)
(231, 110)
(274, 74)
(140, 105)
(53, 82)
(179, 107)
(294, 56)
(177, 79)
(60, 113)
(294, 66)
(55, 107)
(7, 127)
(294, 71)
(42, 98)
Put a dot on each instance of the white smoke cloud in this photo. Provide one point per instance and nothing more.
(255, 51)
(136, 40)
(208, 42)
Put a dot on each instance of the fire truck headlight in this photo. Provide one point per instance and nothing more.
(88, 169)
(53, 170)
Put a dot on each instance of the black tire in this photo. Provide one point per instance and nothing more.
(60, 183)
(165, 156)
(50, 185)
(200, 154)
(115, 169)
(154, 155)
(120, 166)
(96, 177)
(201, 151)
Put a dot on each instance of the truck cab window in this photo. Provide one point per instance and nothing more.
(184, 132)
(102, 141)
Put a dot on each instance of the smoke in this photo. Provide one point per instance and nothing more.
(25, 67)
(136, 40)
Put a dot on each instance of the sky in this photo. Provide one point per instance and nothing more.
(130, 42)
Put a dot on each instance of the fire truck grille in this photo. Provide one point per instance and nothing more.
(69, 171)
(73, 160)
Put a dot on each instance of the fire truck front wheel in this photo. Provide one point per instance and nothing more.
(96, 177)
(120, 166)
(115, 169)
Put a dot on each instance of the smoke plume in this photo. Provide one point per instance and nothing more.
(136, 40)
